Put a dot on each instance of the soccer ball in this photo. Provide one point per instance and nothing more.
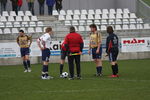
(64, 74)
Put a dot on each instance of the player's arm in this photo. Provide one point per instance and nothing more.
(81, 44)
(89, 51)
(107, 44)
(18, 41)
(99, 42)
(66, 44)
(30, 39)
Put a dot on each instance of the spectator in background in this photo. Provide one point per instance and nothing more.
(14, 5)
(20, 2)
(41, 7)
(31, 5)
(3, 5)
(50, 5)
(58, 5)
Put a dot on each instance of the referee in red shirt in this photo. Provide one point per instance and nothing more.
(74, 45)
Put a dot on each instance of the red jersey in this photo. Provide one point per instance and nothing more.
(74, 41)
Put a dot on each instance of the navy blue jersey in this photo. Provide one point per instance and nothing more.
(112, 43)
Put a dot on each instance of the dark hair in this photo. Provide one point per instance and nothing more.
(21, 31)
(110, 29)
(93, 26)
(72, 29)
(48, 29)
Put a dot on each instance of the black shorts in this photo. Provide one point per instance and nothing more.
(24, 51)
(63, 55)
(113, 55)
(46, 55)
(95, 55)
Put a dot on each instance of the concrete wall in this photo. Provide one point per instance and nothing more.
(86, 4)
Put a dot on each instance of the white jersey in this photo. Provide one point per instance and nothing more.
(47, 39)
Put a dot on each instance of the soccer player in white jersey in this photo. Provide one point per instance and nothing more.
(44, 43)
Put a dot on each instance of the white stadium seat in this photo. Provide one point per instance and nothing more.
(119, 11)
(28, 13)
(62, 12)
(30, 30)
(82, 22)
(91, 11)
(103, 28)
(13, 13)
(105, 11)
(5, 13)
(125, 15)
(9, 24)
(98, 11)
(118, 27)
(132, 15)
(81, 28)
(67, 23)
(25, 24)
(20, 13)
(76, 17)
(132, 21)
(61, 17)
(69, 12)
(89, 22)
(83, 17)
(146, 26)
(32, 24)
(26, 18)
(104, 16)
(7, 31)
(19, 18)
(75, 23)
(17, 24)
(139, 20)
(55, 13)
(118, 16)
(87, 28)
(111, 21)
(132, 27)
(15, 30)
(118, 21)
(112, 11)
(11, 19)
(2, 25)
(97, 22)
(3, 19)
(84, 12)
(126, 10)
(112, 16)
(125, 21)
(68, 17)
(38, 30)
(77, 12)
(40, 24)
(97, 16)
(139, 26)
(125, 27)
(90, 16)
(104, 22)
(34, 18)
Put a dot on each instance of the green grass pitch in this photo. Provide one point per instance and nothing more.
(133, 83)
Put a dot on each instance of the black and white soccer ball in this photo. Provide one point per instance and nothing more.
(65, 74)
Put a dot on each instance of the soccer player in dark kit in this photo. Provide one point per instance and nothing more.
(112, 50)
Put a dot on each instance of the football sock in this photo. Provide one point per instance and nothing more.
(61, 68)
(99, 69)
(117, 70)
(28, 63)
(113, 69)
(25, 64)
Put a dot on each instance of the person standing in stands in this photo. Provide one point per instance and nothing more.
(50, 5)
(20, 2)
(31, 6)
(3, 5)
(74, 45)
(14, 5)
(58, 5)
(41, 7)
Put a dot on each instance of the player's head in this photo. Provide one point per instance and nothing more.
(49, 30)
(21, 32)
(93, 27)
(72, 29)
(110, 29)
